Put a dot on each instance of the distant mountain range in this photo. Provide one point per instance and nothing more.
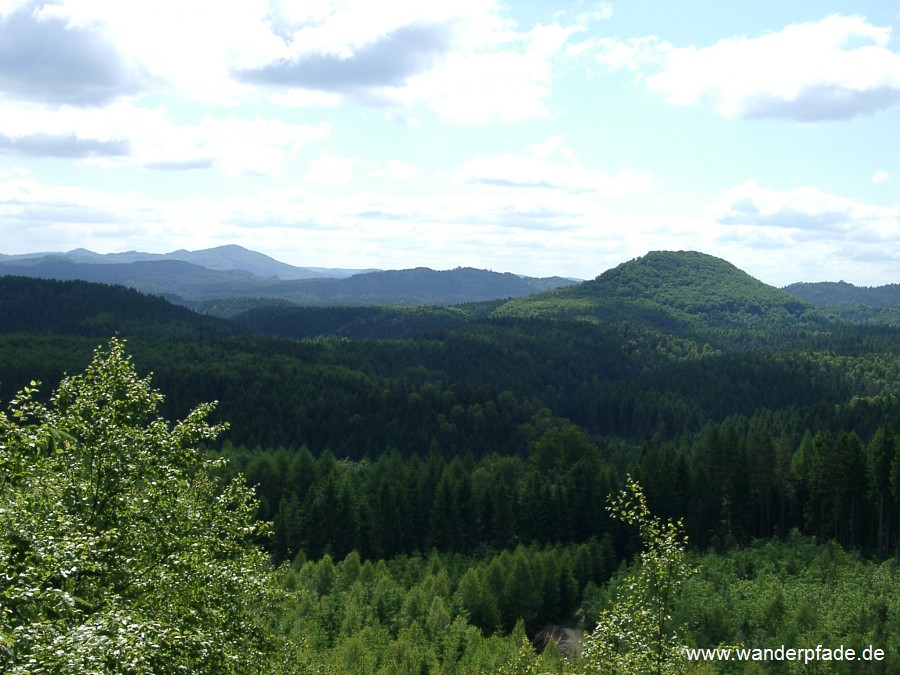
(229, 258)
(664, 289)
(684, 292)
(229, 279)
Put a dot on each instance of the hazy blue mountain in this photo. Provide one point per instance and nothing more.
(170, 278)
(229, 257)
(233, 257)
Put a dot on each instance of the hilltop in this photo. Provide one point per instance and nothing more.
(670, 290)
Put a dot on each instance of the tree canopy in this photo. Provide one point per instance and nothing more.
(119, 551)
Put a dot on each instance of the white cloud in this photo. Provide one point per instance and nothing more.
(636, 54)
(191, 45)
(550, 165)
(332, 169)
(463, 59)
(8, 7)
(47, 58)
(69, 217)
(396, 169)
(601, 12)
(808, 213)
(880, 177)
(236, 146)
(504, 76)
(837, 68)
(124, 133)
(525, 230)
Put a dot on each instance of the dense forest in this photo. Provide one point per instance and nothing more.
(432, 485)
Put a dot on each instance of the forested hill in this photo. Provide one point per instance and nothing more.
(878, 305)
(425, 286)
(835, 293)
(97, 310)
(666, 289)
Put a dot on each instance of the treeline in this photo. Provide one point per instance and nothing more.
(745, 444)
(395, 505)
(445, 613)
(733, 482)
(359, 397)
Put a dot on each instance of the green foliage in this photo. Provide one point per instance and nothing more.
(119, 552)
(795, 593)
(405, 616)
(636, 635)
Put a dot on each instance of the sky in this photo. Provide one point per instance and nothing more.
(531, 137)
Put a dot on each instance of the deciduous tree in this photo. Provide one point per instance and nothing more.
(119, 552)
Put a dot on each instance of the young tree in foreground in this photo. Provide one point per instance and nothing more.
(118, 551)
(634, 636)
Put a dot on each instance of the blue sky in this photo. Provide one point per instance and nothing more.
(529, 137)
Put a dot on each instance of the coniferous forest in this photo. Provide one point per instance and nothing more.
(587, 479)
